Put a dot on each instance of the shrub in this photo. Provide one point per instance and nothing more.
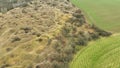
(65, 31)
(94, 36)
(27, 64)
(100, 31)
(38, 51)
(39, 40)
(36, 8)
(81, 41)
(36, 33)
(8, 49)
(68, 49)
(16, 38)
(78, 11)
(26, 29)
(49, 41)
(56, 64)
(104, 33)
(44, 64)
(24, 11)
(54, 44)
(5, 65)
(77, 15)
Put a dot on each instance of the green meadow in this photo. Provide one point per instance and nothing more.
(103, 53)
(104, 13)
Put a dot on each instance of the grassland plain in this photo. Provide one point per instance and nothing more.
(103, 53)
(104, 13)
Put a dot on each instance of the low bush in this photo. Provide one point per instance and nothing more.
(4, 66)
(16, 38)
(44, 64)
(94, 36)
(8, 49)
(26, 29)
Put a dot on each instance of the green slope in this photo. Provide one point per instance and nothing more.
(103, 53)
(104, 13)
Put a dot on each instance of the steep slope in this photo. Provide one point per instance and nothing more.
(103, 53)
(44, 34)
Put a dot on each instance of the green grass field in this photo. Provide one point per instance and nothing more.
(103, 53)
(104, 13)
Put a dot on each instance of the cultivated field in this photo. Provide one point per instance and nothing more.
(104, 13)
(103, 53)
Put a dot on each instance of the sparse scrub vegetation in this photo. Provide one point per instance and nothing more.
(48, 32)
(16, 38)
(100, 31)
(26, 29)
(8, 49)
(5, 65)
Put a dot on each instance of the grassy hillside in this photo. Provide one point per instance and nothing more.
(103, 53)
(104, 13)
